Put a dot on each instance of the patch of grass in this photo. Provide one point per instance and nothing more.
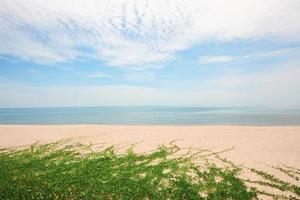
(289, 171)
(65, 170)
(274, 182)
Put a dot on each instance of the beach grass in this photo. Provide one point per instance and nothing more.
(70, 170)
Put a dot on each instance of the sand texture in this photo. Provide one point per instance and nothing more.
(252, 144)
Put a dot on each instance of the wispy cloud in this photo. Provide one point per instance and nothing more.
(32, 71)
(231, 58)
(134, 34)
(98, 75)
(140, 75)
(285, 76)
(215, 59)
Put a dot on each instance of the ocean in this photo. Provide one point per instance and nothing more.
(150, 115)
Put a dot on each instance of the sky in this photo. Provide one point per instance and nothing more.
(150, 52)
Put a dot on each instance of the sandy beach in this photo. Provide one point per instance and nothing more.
(253, 145)
(258, 147)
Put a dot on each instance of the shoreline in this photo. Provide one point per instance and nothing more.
(272, 145)
(158, 125)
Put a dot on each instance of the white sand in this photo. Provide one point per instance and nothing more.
(252, 144)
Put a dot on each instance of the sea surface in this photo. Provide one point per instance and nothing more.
(150, 115)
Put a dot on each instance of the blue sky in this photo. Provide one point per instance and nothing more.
(205, 53)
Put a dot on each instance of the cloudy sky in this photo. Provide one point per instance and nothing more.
(150, 52)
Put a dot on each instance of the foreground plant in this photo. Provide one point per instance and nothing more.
(75, 171)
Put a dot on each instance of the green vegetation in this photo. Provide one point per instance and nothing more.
(65, 170)
(270, 180)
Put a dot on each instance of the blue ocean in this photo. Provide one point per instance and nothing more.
(150, 115)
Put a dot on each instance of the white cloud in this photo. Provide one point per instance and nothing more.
(32, 71)
(134, 33)
(275, 87)
(140, 75)
(215, 59)
(228, 58)
(97, 75)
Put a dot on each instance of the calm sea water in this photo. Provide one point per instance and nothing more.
(149, 115)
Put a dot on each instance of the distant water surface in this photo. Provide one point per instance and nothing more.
(149, 115)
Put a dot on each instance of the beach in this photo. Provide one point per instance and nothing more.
(251, 145)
